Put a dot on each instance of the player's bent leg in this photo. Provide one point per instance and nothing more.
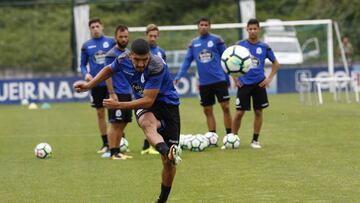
(210, 118)
(167, 176)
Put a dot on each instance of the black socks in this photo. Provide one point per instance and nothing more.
(162, 148)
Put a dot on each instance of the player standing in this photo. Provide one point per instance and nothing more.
(93, 53)
(206, 50)
(253, 84)
(156, 103)
(152, 34)
(119, 89)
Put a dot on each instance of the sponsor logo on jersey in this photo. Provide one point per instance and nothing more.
(106, 45)
(137, 88)
(91, 46)
(205, 56)
(197, 45)
(99, 57)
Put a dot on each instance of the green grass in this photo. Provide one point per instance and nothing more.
(310, 154)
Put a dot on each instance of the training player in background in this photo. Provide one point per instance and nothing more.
(119, 89)
(156, 104)
(206, 49)
(93, 53)
(253, 84)
(152, 34)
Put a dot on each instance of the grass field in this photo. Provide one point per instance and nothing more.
(310, 154)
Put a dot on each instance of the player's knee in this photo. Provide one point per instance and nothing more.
(208, 111)
(146, 124)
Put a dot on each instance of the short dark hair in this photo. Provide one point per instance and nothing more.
(204, 18)
(94, 20)
(253, 21)
(140, 46)
(121, 28)
(151, 27)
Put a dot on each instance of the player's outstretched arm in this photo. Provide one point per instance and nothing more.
(82, 86)
(146, 102)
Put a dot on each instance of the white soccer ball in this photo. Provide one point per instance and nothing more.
(231, 141)
(236, 60)
(212, 138)
(184, 140)
(43, 150)
(124, 145)
(196, 144)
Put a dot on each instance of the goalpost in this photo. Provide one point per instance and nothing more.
(317, 83)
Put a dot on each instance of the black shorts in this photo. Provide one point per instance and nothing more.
(169, 117)
(208, 93)
(254, 91)
(120, 115)
(98, 94)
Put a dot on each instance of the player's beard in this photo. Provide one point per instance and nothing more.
(122, 45)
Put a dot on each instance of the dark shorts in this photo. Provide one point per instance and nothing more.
(98, 94)
(120, 115)
(169, 117)
(208, 93)
(258, 95)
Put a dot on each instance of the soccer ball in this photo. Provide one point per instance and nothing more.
(236, 60)
(196, 144)
(212, 138)
(231, 141)
(184, 140)
(124, 145)
(43, 150)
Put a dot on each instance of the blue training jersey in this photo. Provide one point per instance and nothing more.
(156, 50)
(207, 51)
(260, 51)
(155, 76)
(93, 52)
(121, 85)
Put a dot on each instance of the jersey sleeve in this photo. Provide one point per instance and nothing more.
(155, 80)
(186, 64)
(270, 54)
(83, 60)
(221, 46)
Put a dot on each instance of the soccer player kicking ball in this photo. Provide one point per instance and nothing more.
(156, 104)
(253, 84)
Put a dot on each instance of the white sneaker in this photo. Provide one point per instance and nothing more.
(106, 155)
(255, 145)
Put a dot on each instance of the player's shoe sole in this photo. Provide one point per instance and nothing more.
(174, 154)
(120, 157)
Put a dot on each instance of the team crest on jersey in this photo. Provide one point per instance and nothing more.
(210, 43)
(106, 45)
(258, 50)
(142, 78)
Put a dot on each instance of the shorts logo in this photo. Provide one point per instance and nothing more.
(118, 113)
(237, 102)
(106, 45)
(258, 50)
(210, 43)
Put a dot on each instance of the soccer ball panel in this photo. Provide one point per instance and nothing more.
(124, 144)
